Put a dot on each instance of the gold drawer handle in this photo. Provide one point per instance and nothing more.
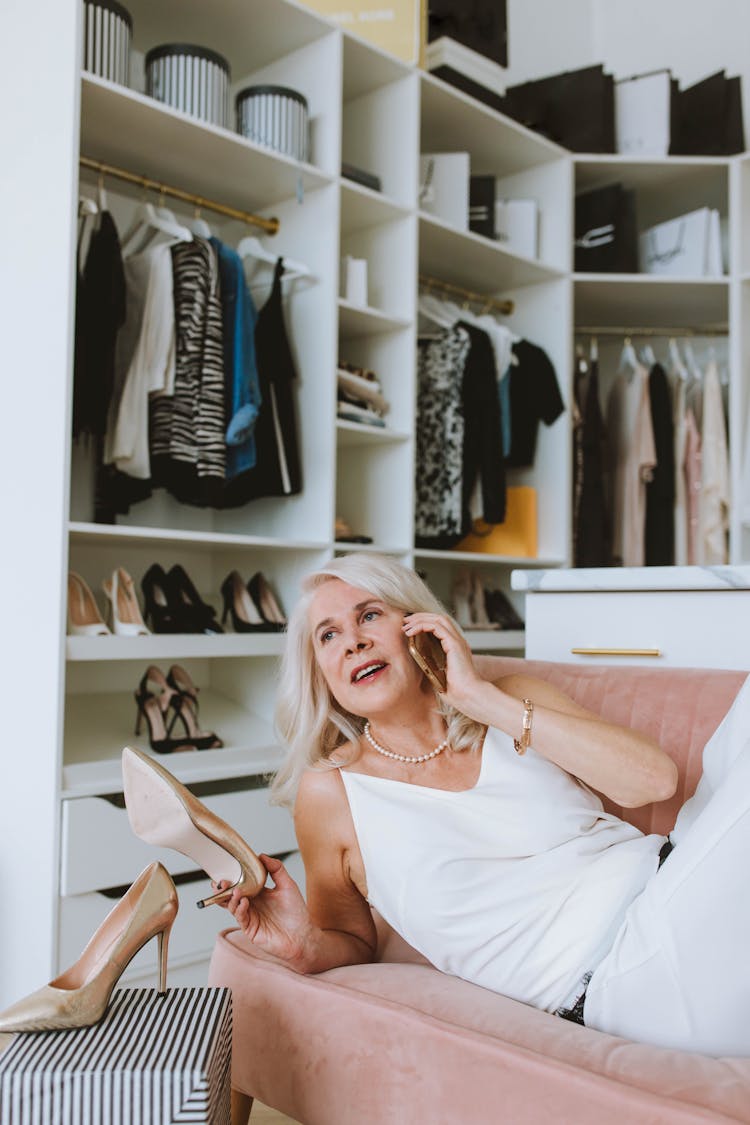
(616, 651)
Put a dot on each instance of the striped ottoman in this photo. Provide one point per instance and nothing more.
(152, 1060)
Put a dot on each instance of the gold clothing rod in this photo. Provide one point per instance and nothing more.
(504, 307)
(678, 333)
(270, 226)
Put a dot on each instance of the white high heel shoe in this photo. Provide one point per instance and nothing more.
(84, 619)
(79, 997)
(125, 613)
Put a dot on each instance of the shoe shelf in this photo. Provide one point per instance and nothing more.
(133, 131)
(91, 534)
(99, 724)
(173, 646)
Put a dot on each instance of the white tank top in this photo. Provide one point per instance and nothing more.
(519, 884)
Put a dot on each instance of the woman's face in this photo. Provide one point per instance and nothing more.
(361, 649)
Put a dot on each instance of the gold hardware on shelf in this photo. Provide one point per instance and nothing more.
(616, 651)
(270, 226)
(488, 302)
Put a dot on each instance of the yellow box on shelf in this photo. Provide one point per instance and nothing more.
(516, 537)
(394, 27)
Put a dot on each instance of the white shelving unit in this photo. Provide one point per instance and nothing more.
(366, 109)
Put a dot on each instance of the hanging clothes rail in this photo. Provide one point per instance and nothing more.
(501, 306)
(628, 330)
(270, 226)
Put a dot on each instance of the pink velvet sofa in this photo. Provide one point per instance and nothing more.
(398, 1042)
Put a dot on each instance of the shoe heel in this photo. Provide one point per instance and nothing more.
(163, 937)
(139, 715)
(212, 900)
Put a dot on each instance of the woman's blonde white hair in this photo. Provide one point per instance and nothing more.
(309, 720)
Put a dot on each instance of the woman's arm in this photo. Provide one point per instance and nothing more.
(628, 767)
(335, 927)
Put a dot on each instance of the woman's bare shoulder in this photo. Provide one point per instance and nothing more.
(321, 789)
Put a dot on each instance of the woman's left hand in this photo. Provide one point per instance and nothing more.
(461, 674)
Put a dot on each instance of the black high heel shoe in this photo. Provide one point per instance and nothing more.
(160, 714)
(160, 607)
(266, 603)
(197, 616)
(239, 604)
(187, 701)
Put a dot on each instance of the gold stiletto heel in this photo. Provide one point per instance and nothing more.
(163, 812)
(80, 996)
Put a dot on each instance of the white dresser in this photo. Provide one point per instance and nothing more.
(666, 616)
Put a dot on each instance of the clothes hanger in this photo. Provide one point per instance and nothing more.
(436, 310)
(692, 364)
(251, 247)
(628, 359)
(594, 349)
(147, 223)
(676, 359)
(648, 357)
(198, 225)
(87, 209)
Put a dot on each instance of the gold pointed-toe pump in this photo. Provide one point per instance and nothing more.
(79, 997)
(163, 812)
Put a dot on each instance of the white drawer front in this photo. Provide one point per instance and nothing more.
(674, 628)
(99, 849)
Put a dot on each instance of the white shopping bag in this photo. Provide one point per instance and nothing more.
(444, 186)
(688, 246)
(642, 114)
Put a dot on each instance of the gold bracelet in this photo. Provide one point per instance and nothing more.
(521, 745)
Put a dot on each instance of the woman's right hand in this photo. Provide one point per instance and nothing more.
(276, 920)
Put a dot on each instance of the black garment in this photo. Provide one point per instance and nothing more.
(660, 490)
(277, 471)
(100, 311)
(534, 397)
(590, 517)
(483, 436)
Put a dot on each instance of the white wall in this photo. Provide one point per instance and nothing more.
(547, 36)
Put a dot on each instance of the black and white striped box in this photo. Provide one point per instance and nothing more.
(107, 31)
(276, 117)
(193, 79)
(152, 1060)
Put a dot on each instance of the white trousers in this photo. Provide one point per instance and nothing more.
(678, 974)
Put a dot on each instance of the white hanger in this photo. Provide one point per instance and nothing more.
(87, 209)
(648, 357)
(437, 311)
(692, 363)
(594, 349)
(199, 226)
(101, 194)
(628, 358)
(149, 222)
(252, 247)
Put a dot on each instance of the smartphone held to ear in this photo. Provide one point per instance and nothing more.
(427, 651)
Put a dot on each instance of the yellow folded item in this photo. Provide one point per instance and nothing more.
(516, 537)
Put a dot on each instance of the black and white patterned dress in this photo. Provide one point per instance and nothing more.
(440, 436)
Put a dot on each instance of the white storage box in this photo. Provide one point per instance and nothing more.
(107, 30)
(152, 1059)
(517, 225)
(193, 79)
(274, 116)
(444, 186)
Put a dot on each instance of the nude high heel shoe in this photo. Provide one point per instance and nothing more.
(163, 812)
(79, 997)
(125, 611)
(84, 619)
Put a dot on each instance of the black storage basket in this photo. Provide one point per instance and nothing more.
(107, 31)
(274, 116)
(193, 79)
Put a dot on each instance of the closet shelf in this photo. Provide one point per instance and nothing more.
(90, 534)
(480, 558)
(356, 320)
(354, 433)
(99, 725)
(120, 126)
(362, 207)
(367, 68)
(701, 173)
(369, 548)
(173, 646)
(650, 300)
(495, 640)
(473, 261)
(454, 121)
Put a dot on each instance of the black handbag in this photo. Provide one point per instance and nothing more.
(481, 25)
(606, 236)
(575, 108)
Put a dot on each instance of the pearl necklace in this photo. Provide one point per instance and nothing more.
(403, 757)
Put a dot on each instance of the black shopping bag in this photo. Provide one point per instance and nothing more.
(479, 24)
(606, 239)
(575, 108)
(709, 118)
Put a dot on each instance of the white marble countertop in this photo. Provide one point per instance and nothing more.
(632, 578)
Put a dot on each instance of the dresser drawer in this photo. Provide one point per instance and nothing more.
(678, 628)
(99, 849)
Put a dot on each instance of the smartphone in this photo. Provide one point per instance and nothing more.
(427, 650)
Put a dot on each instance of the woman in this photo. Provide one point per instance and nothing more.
(500, 866)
